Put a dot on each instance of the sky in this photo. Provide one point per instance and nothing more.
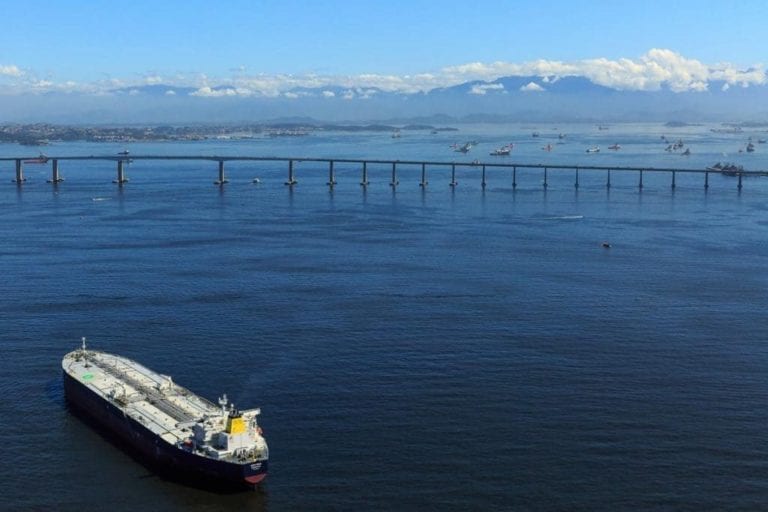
(90, 40)
(151, 54)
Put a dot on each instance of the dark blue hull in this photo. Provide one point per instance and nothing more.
(175, 462)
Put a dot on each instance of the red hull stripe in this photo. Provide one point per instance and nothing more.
(255, 478)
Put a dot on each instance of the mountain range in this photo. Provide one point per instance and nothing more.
(506, 99)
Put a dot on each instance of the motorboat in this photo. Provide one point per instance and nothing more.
(594, 149)
(614, 147)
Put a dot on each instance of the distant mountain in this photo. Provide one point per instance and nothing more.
(155, 90)
(506, 99)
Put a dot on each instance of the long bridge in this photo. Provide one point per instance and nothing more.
(121, 160)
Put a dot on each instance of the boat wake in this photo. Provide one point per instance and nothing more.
(564, 217)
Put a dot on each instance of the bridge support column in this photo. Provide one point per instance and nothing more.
(706, 180)
(331, 175)
(739, 185)
(640, 183)
(423, 175)
(120, 173)
(545, 178)
(673, 180)
(291, 179)
(222, 180)
(394, 181)
(608, 182)
(514, 177)
(576, 183)
(19, 172)
(483, 182)
(453, 182)
(365, 175)
(55, 178)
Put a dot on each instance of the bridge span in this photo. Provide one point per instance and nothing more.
(121, 160)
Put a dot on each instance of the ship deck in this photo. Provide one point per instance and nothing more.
(148, 397)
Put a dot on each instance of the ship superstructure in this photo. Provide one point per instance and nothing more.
(164, 421)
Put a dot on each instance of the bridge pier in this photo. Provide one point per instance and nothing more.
(608, 182)
(331, 175)
(673, 180)
(120, 174)
(483, 183)
(55, 178)
(394, 181)
(291, 178)
(19, 172)
(423, 175)
(576, 183)
(514, 177)
(222, 180)
(640, 184)
(453, 182)
(365, 175)
(545, 178)
(706, 180)
(739, 186)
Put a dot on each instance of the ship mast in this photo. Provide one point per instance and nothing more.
(85, 355)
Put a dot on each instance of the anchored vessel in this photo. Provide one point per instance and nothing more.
(166, 423)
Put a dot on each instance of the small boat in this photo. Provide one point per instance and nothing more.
(548, 147)
(594, 149)
(687, 152)
(396, 134)
(750, 147)
(124, 152)
(561, 136)
(502, 151)
(761, 141)
(535, 134)
(614, 147)
(463, 148)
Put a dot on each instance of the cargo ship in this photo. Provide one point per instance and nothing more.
(167, 425)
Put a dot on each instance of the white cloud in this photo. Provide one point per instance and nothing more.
(10, 71)
(650, 72)
(656, 69)
(482, 89)
(531, 87)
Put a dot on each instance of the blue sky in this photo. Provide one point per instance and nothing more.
(271, 47)
(75, 40)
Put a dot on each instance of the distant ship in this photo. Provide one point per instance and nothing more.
(165, 423)
(594, 149)
(42, 159)
(502, 151)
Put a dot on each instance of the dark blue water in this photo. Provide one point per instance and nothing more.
(413, 349)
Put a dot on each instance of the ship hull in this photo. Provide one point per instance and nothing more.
(151, 449)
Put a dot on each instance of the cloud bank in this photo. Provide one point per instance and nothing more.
(655, 70)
